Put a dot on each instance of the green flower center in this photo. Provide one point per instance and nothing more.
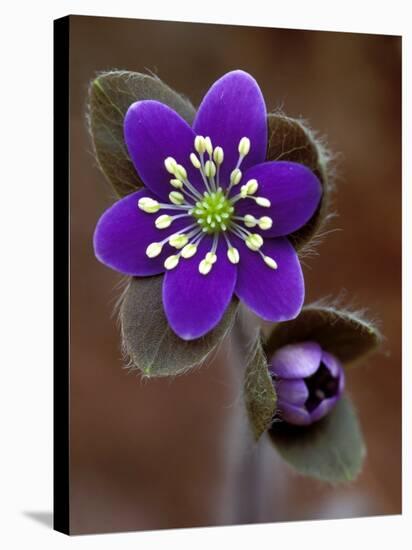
(214, 212)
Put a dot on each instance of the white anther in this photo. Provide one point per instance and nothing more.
(176, 198)
(194, 160)
(180, 172)
(235, 176)
(200, 145)
(189, 250)
(244, 146)
(211, 257)
(154, 250)
(250, 221)
(178, 240)
(218, 155)
(148, 205)
(163, 221)
(208, 145)
(251, 187)
(210, 169)
(205, 267)
(170, 165)
(177, 184)
(261, 201)
(171, 262)
(270, 262)
(254, 241)
(265, 222)
(233, 255)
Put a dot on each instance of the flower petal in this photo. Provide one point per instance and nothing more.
(123, 233)
(153, 132)
(331, 363)
(195, 303)
(294, 392)
(294, 415)
(274, 295)
(323, 408)
(293, 190)
(296, 360)
(234, 108)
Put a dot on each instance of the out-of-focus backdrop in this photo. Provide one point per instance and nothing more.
(175, 453)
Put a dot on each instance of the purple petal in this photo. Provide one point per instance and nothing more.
(234, 108)
(323, 408)
(294, 415)
(296, 360)
(274, 295)
(152, 133)
(332, 363)
(195, 303)
(293, 190)
(294, 392)
(123, 233)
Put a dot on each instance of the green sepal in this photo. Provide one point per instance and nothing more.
(110, 96)
(259, 393)
(331, 449)
(149, 343)
(291, 140)
(347, 335)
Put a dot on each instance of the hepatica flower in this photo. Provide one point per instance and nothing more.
(213, 216)
(308, 381)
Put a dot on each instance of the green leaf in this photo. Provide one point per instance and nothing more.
(110, 95)
(290, 139)
(148, 340)
(345, 334)
(260, 396)
(330, 450)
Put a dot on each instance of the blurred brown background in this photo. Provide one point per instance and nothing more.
(176, 453)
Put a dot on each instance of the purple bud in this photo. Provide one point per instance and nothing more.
(308, 381)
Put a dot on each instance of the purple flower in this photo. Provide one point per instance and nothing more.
(213, 216)
(308, 382)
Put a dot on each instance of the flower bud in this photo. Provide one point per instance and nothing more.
(308, 382)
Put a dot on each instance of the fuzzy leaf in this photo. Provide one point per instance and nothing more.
(110, 95)
(260, 396)
(148, 340)
(330, 450)
(342, 333)
(290, 139)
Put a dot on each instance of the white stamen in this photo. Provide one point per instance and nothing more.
(178, 240)
(250, 221)
(154, 250)
(163, 221)
(254, 241)
(170, 165)
(180, 172)
(189, 250)
(195, 161)
(200, 145)
(235, 176)
(208, 146)
(233, 255)
(210, 169)
(176, 198)
(171, 261)
(177, 184)
(261, 201)
(218, 155)
(211, 257)
(205, 267)
(148, 205)
(270, 262)
(249, 188)
(265, 222)
(244, 146)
